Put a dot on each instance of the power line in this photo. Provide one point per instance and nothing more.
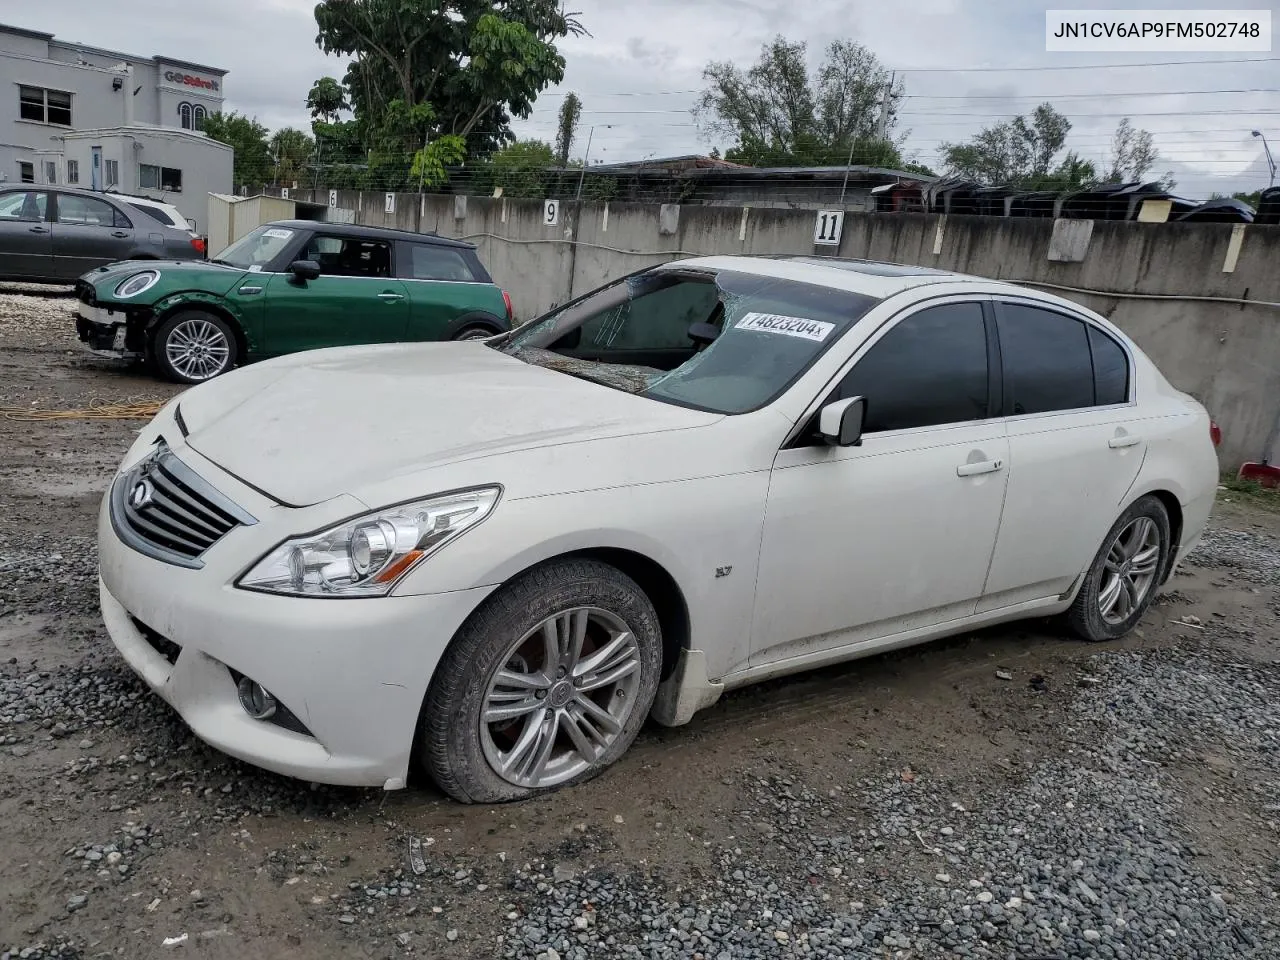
(1077, 96)
(1083, 66)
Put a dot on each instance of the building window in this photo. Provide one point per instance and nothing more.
(44, 106)
(199, 114)
(73, 171)
(51, 171)
(26, 171)
(153, 177)
(184, 115)
(113, 173)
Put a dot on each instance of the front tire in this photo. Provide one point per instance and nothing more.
(545, 686)
(193, 346)
(475, 332)
(1123, 579)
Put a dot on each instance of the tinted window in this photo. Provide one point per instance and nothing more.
(350, 256)
(1046, 359)
(85, 211)
(1110, 369)
(929, 369)
(429, 262)
(23, 205)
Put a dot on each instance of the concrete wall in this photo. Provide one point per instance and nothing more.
(1226, 354)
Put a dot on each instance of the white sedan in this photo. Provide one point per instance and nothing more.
(493, 560)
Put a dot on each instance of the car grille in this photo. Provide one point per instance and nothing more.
(85, 294)
(164, 509)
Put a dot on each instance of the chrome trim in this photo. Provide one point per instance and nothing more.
(190, 515)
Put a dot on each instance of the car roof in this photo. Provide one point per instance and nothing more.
(376, 233)
(872, 278)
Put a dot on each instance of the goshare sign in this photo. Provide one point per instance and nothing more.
(190, 80)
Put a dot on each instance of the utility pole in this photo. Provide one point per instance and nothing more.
(587, 156)
(882, 131)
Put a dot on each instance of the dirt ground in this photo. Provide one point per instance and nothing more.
(240, 860)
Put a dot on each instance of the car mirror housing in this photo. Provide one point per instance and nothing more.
(304, 270)
(840, 423)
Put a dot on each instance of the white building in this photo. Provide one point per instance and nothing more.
(79, 115)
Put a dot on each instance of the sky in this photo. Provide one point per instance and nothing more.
(640, 71)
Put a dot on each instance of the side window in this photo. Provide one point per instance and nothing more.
(85, 211)
(350, 256)
(154, 213)
(1047, 364)
(654, 321)
(24, 205)
(930, 369)
(1110, 369)
(427, 261)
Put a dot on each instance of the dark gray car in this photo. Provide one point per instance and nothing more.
(56, 234)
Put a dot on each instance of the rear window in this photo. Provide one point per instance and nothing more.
(154, 213)
(429, 262)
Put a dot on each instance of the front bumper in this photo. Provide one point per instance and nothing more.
(106, 330)
(353, 672)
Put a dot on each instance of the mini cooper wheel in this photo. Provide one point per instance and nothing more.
(474, 333)
(546, 685)
(1123, 579)
(193, 346)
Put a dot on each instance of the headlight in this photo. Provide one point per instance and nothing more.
(136, 284)
(368, 556)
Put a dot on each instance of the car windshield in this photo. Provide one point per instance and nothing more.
(257, 248)
(718, 340)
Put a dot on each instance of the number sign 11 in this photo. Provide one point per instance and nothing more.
(828, 228)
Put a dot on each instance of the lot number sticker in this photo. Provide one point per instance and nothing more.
(390, 203)
(550, 213)
(284, 193)
(333, 198)
(816, 330)
(828, 227)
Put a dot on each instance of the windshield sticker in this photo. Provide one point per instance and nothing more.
(275, 233)
(255, 268)
(816, 330)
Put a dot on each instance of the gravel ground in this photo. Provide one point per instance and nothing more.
(1118, 801)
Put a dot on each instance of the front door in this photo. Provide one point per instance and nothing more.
(95, 167)
(861, 543)
(354, 300)
(88, 232)
(1075, 448)
(26, 239)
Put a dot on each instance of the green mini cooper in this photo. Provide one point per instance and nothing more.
(288, 286)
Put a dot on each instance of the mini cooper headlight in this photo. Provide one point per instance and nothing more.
(367, 556)
(136, 284)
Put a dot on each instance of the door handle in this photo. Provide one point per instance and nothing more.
(390, 296)
(250, 290)
(119, 233)
(973, 469)
(1128, 440)
(39, 230)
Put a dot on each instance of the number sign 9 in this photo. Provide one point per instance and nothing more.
(550, 213)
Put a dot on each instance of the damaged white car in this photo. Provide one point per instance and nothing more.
(493, 560)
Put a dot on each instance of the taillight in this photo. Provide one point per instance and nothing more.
(1215, 433)
(511, 314)
(198, 243)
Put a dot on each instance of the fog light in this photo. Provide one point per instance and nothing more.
(255, 699)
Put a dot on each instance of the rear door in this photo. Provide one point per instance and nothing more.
(1075, 447)
(26, 238)
(88, 232)
(446, 294)
(355, 300)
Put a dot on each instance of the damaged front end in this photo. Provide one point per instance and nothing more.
(112, 330)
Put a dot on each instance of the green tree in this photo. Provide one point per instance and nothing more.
(778, 115)
(252, 164)
(327, 99)
(291, 151)
(1133, 154)
(522, 170)
(1017, 152)
(474, 63)
(570, 114)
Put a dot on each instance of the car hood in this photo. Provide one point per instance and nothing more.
(174, 275)
(318, 424)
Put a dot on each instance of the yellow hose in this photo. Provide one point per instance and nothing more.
(130, 409)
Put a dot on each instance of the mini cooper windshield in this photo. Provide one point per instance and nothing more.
(717, 340)
(257, 248)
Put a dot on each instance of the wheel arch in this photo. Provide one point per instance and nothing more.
(197, 302)
(475, 318)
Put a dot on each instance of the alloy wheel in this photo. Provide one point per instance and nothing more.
(562, 697)
(197, 349)
(1129, 570)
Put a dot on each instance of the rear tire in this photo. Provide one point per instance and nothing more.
(570, 701)
(1123, 579)
(475, 332)
(193, 346)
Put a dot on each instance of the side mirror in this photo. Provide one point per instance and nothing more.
(304, 270)
(840, 423)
